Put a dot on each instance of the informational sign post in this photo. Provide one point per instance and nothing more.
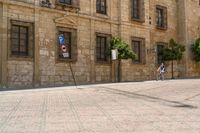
(61, 39)
(63, 47)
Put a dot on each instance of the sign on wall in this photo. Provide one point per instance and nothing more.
(64, 48)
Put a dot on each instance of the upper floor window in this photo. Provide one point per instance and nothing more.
(67, 47)
(139, 49)
(101, 6)
(161, 13)
(102, 45)
(137, 10)
(21, 39)
(69, 2)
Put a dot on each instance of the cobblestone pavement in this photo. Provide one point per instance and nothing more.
(171, 106)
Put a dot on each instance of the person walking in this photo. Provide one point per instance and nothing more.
(161, 71)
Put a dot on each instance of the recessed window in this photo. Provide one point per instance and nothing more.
(139, 50)
(102, 45)
(64, 44)
(161, 13)
(160, 48)
(101, 6)
(67, 46)
(21, 39)
(69, 2)
(137, 10)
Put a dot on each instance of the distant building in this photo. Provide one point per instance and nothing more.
(31, 53)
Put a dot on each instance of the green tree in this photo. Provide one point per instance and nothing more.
(173, 52)
(196, 50)
(124, 52)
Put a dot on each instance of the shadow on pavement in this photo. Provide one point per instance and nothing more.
(162, 101)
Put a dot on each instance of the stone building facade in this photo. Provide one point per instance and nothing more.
(31, 53)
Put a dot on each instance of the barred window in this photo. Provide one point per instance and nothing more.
(67, 44)
(69, 2)
(65, 47)
(161, 17)
(160, 47)
(102, 46)
(101, 6)
(139, 50)
(21, 39)
(137, 10)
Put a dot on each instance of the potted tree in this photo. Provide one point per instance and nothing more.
(196, 50)
(173, 52)
(124, 52)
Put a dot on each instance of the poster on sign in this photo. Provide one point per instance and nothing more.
(61, 39)
(64, 50)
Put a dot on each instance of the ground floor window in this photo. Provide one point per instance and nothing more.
(138, 47)
(21, 39)
(160, 48)
(102, 46)
(67, 44)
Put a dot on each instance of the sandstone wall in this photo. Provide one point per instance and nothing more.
(193, 32)
(1, 32)
(45, 69)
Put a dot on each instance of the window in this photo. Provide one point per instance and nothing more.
(69, 2)
(21, 39)
(161, 17)
(137, 10)
(101, 6)
(160, 47)
(67, 46)
(102, 42)
(139, 50)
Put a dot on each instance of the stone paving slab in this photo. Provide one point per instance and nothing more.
(171, 106)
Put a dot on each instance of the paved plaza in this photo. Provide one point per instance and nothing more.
(170, 106)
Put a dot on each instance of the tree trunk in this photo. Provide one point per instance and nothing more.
(172, 65)
(119, 70)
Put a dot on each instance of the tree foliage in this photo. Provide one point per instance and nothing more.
(174, 51)
(196, 50)
(124, 51)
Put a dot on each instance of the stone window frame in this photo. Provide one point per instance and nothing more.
(142, 51)
(100, 11)
(163, 23)
(163, 45)
(72, 4)
(67, 2)
(30, 48)
(74, 50)
(108, 38)
(141, 11)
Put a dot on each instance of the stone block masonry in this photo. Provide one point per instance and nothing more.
(83, 23)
